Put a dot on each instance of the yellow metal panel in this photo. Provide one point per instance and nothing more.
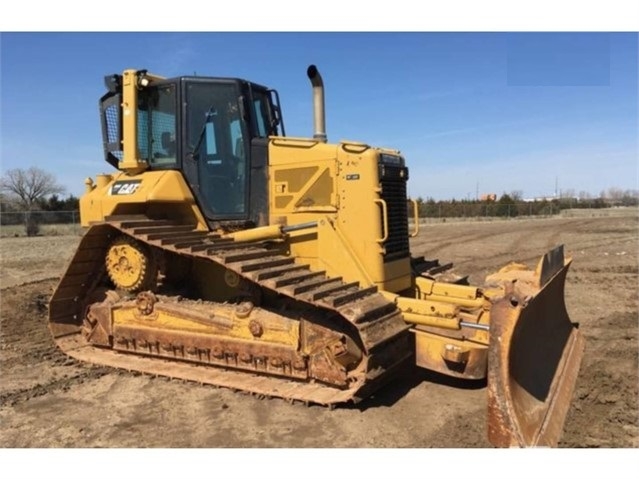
(282, 201)
(295, 166)
(339, 186)
(453, 357)
(303, 187)
(217, 319)
(359, 220)
(167, 188)
(319, 193)
(292, 180)
(397, 275)
(337, 255)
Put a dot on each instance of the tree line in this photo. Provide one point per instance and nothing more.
(512, 205)
(34, 190)
(53, 203)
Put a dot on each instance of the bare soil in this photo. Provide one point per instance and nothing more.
(49, 400)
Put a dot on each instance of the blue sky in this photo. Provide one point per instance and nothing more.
(493, 112)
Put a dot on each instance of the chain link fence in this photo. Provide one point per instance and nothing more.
(17, 223)
(490, 210)
(44, 223)
(476, 211)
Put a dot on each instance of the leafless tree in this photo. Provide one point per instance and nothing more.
(25, 187)
(584, 195)
(614, 193)
(516, 195)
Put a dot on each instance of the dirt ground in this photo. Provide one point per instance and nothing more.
(48, 400)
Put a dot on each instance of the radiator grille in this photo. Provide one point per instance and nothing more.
(393, 181)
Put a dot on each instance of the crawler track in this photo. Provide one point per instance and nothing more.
(377, 325)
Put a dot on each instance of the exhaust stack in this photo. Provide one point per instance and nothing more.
(319, 119)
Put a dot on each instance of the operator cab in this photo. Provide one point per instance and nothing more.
(214, 130)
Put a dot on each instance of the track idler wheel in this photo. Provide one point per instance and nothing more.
(130, 265)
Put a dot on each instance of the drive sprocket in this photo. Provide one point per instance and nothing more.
(130, 265)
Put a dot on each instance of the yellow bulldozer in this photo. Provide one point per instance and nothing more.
(224, 252)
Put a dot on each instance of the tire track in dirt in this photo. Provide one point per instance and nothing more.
(498, 232)
(455, 242)
(497, 235)
(30, 281)
(533, 253)
(32, 365)
(13, 398)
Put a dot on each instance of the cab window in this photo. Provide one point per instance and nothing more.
(157, 126)
(261, 113)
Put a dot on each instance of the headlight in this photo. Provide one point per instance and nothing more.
(391, 160)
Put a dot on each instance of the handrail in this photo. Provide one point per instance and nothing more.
(415, 216)
(384, 219)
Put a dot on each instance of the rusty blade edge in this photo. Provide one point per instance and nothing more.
(562, 391)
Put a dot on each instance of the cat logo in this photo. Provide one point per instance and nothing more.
(125, 187)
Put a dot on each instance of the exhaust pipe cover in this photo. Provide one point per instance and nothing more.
(319, 117)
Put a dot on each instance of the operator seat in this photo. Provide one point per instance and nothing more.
(168, 143)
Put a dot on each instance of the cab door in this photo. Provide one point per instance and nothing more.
(215, 145)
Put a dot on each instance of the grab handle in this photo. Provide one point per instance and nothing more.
(415, 217)
(384, 219)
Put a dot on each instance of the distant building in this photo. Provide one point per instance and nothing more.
(539, 199)
(488, 197)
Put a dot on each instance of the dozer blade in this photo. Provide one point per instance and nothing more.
(534, 357)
